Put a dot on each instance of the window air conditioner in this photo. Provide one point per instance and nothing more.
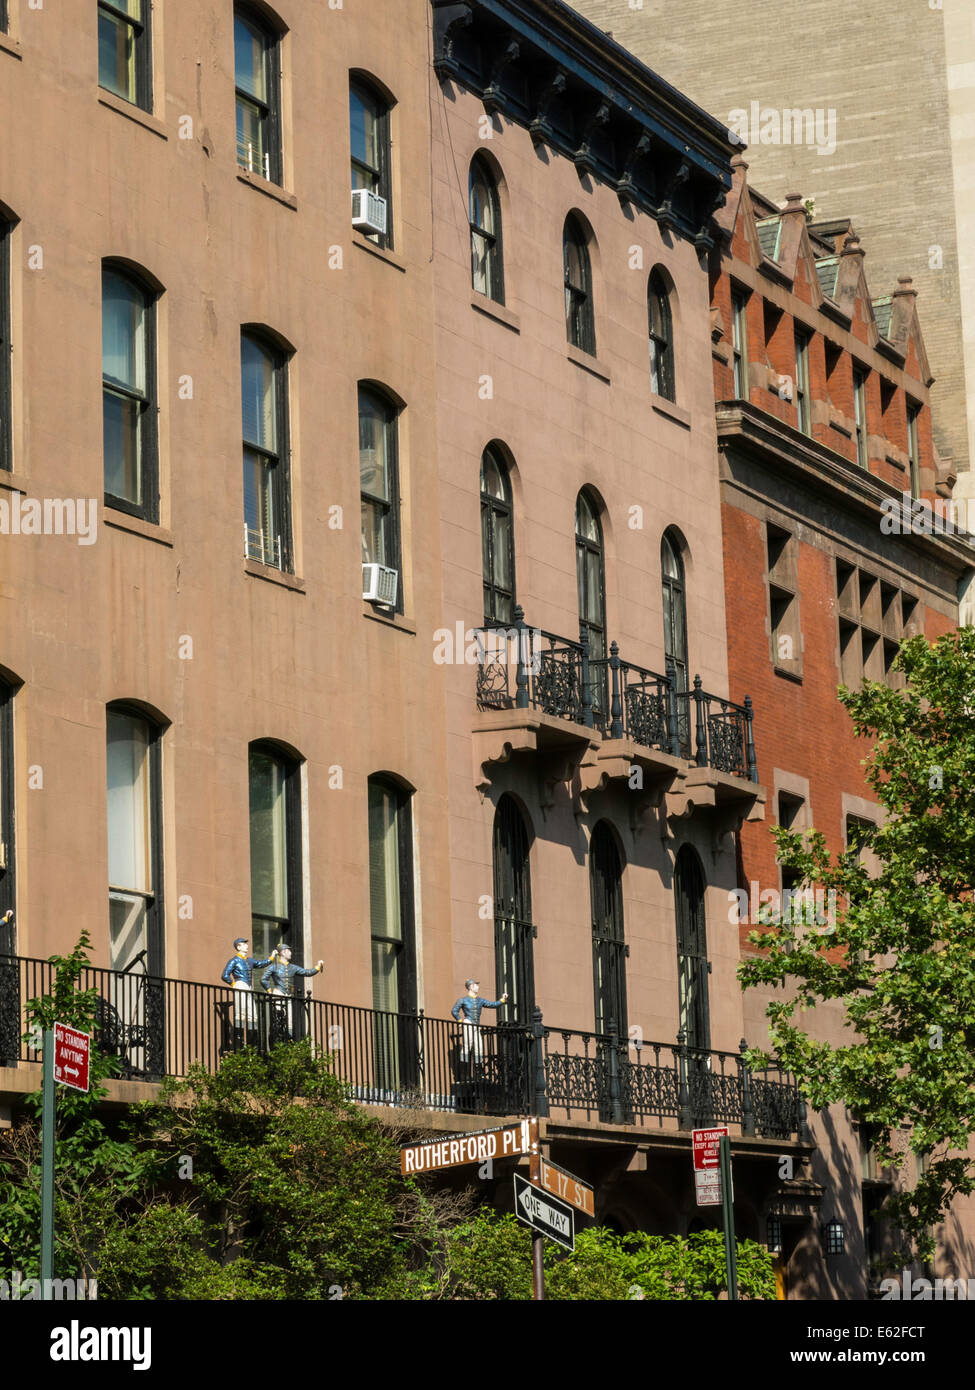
(379, 584)
(368, 211)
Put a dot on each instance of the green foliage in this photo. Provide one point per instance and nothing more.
(489, 1257)
(901, 957)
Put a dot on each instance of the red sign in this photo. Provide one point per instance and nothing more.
(71, 1053)
(706, 1144)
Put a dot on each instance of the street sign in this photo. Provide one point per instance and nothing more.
(706, 1146)
(546, 1215)
(707, 1187)
(453, 1151)
(560, 1183)
(71, 1056)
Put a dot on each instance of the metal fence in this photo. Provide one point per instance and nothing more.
(155, 1027)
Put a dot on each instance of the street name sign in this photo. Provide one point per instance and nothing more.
(561, 1183)
(452, 1151)
(546, 1215)
(72, 1051)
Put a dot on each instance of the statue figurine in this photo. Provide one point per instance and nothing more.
(470, 1005)
(279, 980)
(239, 974)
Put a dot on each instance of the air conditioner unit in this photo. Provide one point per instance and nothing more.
(368, 211)
(379, 584)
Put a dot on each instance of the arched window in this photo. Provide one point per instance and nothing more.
(369, 137)
(661, 329)
(257, 79)
(379, 486)
(591, 582)
(8, 894)
(580, 325)
(675, 631)
(513, 929)
(264, 415)
(391, 897)
(129, 393)
(134, 841)
(485, 217)
(609, 950)
(275, 846)
(6, 345)
(692, 950)
(497, 539)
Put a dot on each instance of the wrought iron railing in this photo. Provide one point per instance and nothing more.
(154, 1027)
(528, 668)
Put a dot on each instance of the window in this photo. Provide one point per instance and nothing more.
(369, 130)
(134, 841)
(257, 77)
(485, 214)
(391, 898)
(661, 337)
(497, 540)
(874, 617)
(692, 960)
(609, 950)
(591, 584)
(6, 425)
(275, 846)
(860, 414)
(513, 929)
(791, 811)
(739, 344)
(8, 895)
(580, 325)
(129, 406)
(782, 551)
(264, 420)
(379, 483)
(802, 382)
(913, 451)
(125, 50)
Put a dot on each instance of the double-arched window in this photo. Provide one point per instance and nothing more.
(497, 539)
(487, 269)
(580, 323)
(661, 332)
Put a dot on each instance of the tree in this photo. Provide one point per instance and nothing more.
(900, 956)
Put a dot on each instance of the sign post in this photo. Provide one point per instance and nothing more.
(66, 1059)
(728, 1213)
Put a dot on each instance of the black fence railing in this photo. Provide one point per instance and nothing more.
(154, 1027)
(527, 668)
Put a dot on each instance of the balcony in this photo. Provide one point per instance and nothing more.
(155, 1027)
(599, 716)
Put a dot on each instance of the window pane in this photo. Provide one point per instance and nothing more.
(250, 67)
(502, 550)
(258, 396)
(481, 264)
(385, 977)
(127, 918)
(129, 860)
(373, 460)
(492, 481)
(384, 867)
(116, 56)
(252, 153)
(121, 436)
(123, 332)
(375, 530)
(269, 888)
(364, 130)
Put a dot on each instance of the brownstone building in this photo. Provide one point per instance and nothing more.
(299, 274)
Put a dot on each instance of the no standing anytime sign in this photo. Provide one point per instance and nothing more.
(71, 1052)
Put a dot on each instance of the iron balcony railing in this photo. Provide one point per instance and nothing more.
(154, 1027)
(528, 668)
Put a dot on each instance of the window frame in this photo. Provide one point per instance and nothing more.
(493, 508)
(8, 808)
(494, 255)
(155, 901)
(269, 111)
(6, 349)
(367, 92)
(609, 947)
(739, 342)
(914, 409)
(514, 928)
(148, 509)
(663, 377)
(690, 881)
(407, 977)
(279, 358)
(292, 932)
(860, 416)
(394, 504)
(580, 313)
(143, 51)
(803, 403)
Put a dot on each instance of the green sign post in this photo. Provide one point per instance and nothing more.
(47, 1166)
(728, 1213)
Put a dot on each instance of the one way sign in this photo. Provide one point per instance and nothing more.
(545, 1213)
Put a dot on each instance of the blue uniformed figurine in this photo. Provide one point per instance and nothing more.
(279, 980)
(239, 974)
(470, 1005)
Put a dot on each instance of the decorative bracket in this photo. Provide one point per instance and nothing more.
(540, 130)
(493, 94)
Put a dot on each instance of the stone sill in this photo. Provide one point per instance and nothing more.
(274, 576)
(132, 113)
